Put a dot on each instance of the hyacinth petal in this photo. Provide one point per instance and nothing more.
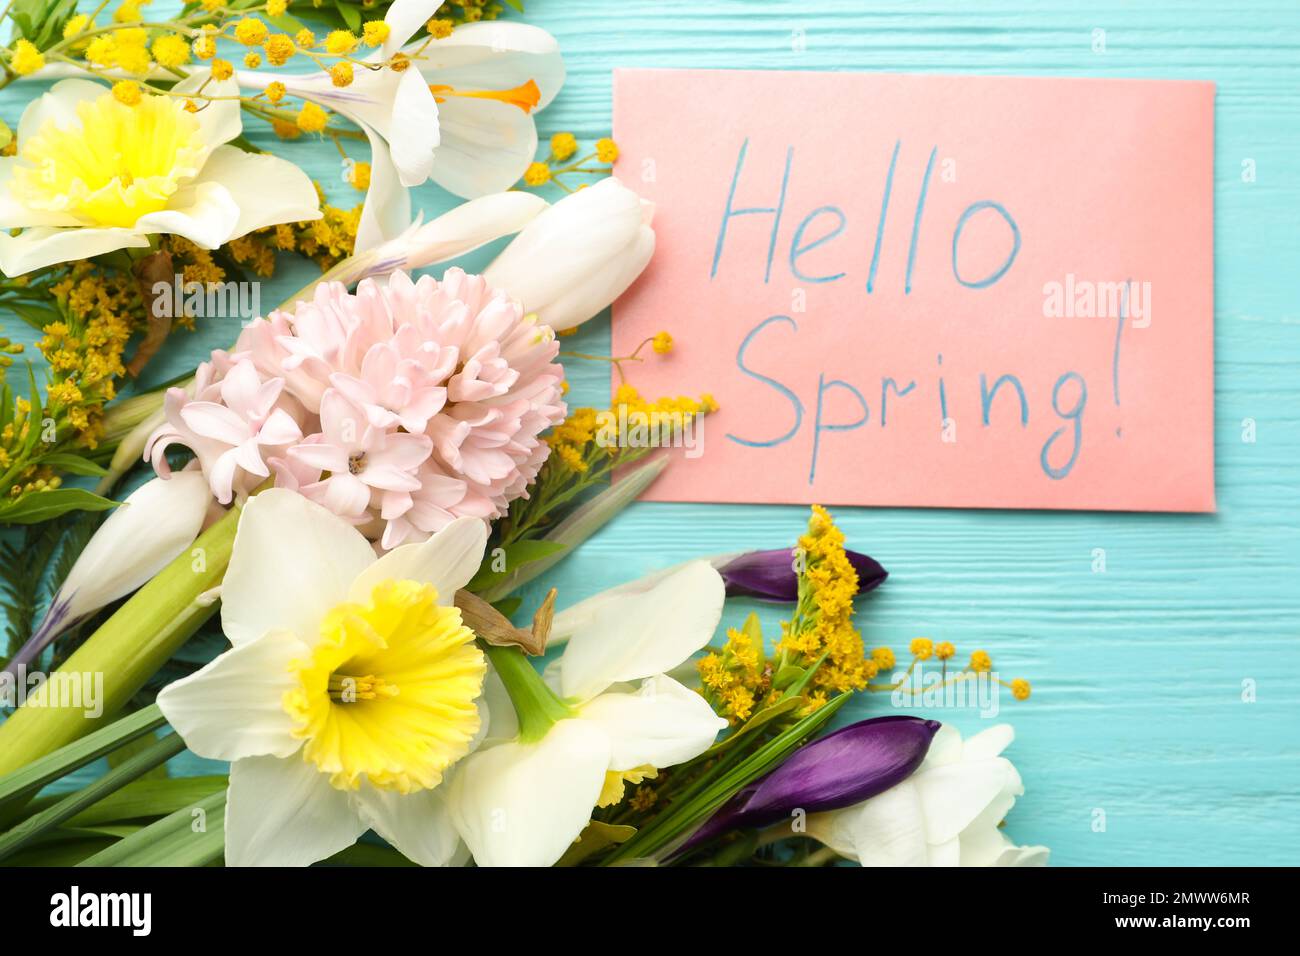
(843, 768)
(770, 575)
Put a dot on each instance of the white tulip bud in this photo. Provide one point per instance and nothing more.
(578, 256)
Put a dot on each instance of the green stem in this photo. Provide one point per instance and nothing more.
(536, 705)
(127, 650)
(157, 753)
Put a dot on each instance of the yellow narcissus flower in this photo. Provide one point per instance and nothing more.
(93, 174)
(351, 689)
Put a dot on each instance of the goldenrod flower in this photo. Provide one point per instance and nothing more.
(311, 118)
(341, 73)
(375, 32)
(921, 648)
(340, 42)
(27, 59)
(251, 31)
(606, 150)
(127, 92)
(171, 50)
(663, 343)
(563, 145)
(537, 174)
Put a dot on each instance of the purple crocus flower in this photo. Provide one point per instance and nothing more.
(843, 768)
(770, 576)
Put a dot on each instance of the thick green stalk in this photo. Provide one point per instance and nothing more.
(127, 650)
(536, 705)
(172, 840)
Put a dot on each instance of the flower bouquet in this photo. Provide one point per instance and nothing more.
(319, 577)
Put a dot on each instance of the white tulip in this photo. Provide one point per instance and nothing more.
(141, 536)
(350, 692)
(945, 814)
(522, 802)
(578, 256)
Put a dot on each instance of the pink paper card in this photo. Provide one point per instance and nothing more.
(928, 290)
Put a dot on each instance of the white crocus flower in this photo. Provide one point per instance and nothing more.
(617, 719)
(93, 175)
(578, 256)
(945, 814)
(139, 538)
(460, 114)
(350, 692)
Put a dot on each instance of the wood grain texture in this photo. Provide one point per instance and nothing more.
(1138, 672)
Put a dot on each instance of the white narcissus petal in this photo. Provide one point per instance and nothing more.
(496, 55)
(447, 561)
(640, 635)
(416, 824)
(140, 537)
(470, 225)
(43, 246)
(405, 18)
(233, 707)
(953, 796)
(887, 830)
(292, 561)
(283, 812)
(387, 209)
(266, 189)
(14, 215)
(520, 804)
(661, 725)
(503, 722)
(989, 743)
(945, 748)
(59, 103)
(219, 120)
(486, 146)
(1023, 856)
(203, 212)
(414, 132)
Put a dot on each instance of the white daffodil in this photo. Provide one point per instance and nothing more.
(945, 814)
(578, 256)
(93, 175)
(617, 719)
(460, 113)
(350, 692)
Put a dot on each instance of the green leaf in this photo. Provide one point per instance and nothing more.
(139, 800)
(515, 556)
(36, 315)
(517, 4)
(173, 840)
(73, 464)
(43, 505)
(29, 829)
(31, 778)
(351, 16)
(367, 854)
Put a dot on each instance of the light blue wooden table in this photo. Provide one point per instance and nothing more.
(1140, 716)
